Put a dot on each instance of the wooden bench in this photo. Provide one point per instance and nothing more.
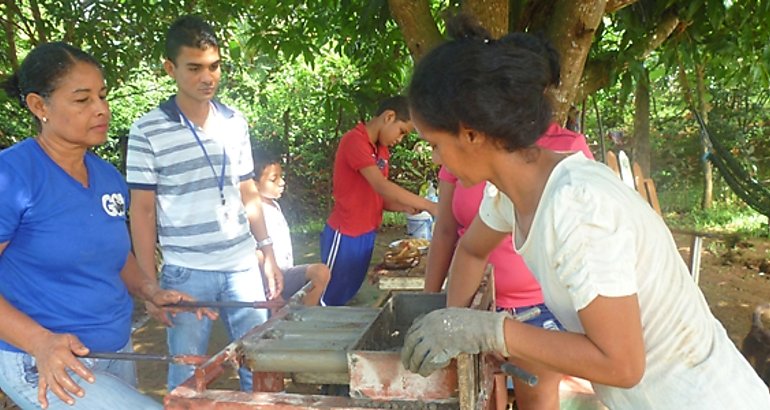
(631, 174)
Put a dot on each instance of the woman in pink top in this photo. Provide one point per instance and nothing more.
(516, 290)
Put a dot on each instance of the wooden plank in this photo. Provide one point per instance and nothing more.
(401, 283)
(467, 381)
(652, 195)
(639, 180)
(612, 161)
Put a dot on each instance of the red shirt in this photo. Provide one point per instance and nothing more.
(357, 207)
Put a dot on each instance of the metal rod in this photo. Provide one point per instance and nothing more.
(270, 304)
(129, 356)
(178, 359)
(528, 314)
(515, 371)
(523, 375)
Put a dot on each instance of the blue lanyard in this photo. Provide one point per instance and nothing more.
(220, 178)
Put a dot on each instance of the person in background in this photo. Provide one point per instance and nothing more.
(190, 172)
(637, 326)
(361, 192)
(516, 290)
(66, 268)
(271, 185)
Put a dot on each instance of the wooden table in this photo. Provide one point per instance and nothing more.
(409, 279)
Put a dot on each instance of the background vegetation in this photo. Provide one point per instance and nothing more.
(304, 73)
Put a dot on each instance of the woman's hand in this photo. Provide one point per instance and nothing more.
(438, 337)
(54, 355)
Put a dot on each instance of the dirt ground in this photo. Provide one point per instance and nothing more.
(734, 277)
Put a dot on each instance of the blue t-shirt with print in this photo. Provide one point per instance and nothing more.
(66, 246)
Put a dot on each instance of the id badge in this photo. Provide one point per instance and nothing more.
(228, 220)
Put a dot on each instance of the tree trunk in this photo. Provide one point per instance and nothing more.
(641, 150)
(39, 23)
(572, 28)
(703, 108)
(684, 82)
(10, 36)
(417, 25)
(492, 14)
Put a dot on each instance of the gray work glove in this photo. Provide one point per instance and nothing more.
(441, 335)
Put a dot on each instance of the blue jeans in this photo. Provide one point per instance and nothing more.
(114, 387)
(190, 335)
(545, 319)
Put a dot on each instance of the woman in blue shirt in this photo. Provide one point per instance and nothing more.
(66, 267)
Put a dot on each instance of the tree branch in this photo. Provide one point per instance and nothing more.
(26, 29)
(417, 25)
(597, 72)
(39, 23)
(9, 37)
(492, 14)
(615, 5)
(669, 22)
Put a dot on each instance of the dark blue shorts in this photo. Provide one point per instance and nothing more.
(348, 259)
(294, 279)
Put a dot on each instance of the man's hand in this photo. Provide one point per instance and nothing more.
(54, 355)
(438, 337)
(157, 306)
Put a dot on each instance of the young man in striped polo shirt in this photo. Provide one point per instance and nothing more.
(190, 171)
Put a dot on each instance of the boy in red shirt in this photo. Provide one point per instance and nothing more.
(361, 192)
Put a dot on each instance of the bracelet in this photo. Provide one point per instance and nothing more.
(264, 242)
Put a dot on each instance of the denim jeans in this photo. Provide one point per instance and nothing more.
(190, 335)
(113, 388)
(545, 319)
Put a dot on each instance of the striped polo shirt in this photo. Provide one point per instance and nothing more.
(194, 229)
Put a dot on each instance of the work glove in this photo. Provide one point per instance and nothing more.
(441, 335)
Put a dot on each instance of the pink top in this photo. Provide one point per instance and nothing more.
(514, 284)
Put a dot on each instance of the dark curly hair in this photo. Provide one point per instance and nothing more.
(42, 69)
(493, 86)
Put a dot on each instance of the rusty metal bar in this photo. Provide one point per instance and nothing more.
(185, 398)
(219, 304)
(186, 359)
(268, 382)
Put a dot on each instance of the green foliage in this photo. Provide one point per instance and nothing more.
(393, 219)
(16, 123)
(304, 74)
(726, 216)
(299, 111)
(142, 92)
(412, 166)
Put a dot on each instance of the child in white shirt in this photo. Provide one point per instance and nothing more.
(271, 186)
